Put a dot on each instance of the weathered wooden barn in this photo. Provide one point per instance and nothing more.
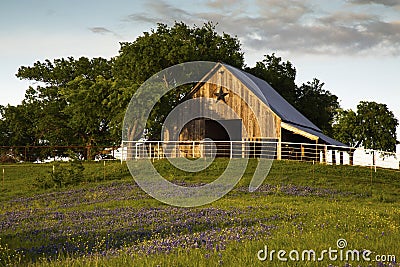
(263, 114)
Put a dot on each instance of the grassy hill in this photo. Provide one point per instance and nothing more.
(108, 220)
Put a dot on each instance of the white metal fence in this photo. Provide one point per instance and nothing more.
(319, 153)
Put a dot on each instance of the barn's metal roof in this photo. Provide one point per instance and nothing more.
(279, 105)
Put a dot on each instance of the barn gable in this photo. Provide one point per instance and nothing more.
(274, 114)
(259, 121)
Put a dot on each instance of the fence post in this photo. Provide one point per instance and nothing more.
(231, 149)
(301, 152)
(158, 149)
(243, 149)
(373, 158)
(279, 149)
(122, 152)
(351, 156)
(341, 158)
(150, 151)
(193, 149)
(135, 151)
(334, 157)
(104, 170)
(88, 152)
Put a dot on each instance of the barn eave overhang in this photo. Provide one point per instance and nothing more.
(296, 130)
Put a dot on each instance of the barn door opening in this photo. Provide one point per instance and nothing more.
(218, 131)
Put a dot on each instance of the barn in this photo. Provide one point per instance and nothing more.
(262, 116)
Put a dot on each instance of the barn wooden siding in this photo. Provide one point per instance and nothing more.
(258, 120)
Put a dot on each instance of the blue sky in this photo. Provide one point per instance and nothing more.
(351, 45)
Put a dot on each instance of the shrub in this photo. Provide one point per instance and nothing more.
(63, 175)
(7, 159)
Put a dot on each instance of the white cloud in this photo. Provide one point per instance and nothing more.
(103, 31)
(290, 26)
(390, 3)
(100, 30)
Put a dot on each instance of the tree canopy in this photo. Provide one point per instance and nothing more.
(168, 46)
(68, 106)
(372, 126)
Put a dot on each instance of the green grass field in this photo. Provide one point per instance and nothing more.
(107, 220)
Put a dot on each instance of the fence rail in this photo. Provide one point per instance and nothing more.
(319, 153)
(47, 153)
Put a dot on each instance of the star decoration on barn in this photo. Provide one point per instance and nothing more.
(221, 95)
